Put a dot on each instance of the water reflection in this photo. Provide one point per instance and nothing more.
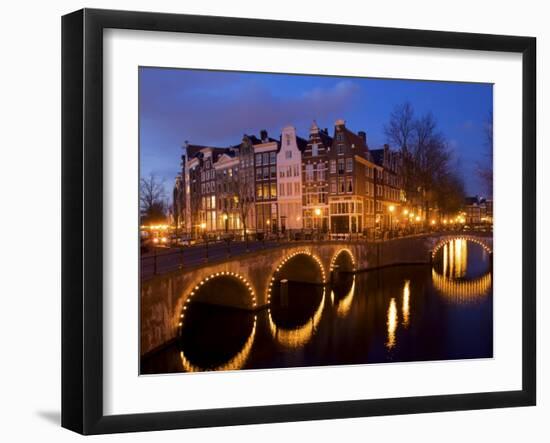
(455, 258)
(404, 313)
(462, 291)
(458, 280)
(391, 323)
(406, 302)
(297, 336)
(235, 363)
(343, 304)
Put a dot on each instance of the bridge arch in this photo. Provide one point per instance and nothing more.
(345, 253)
(285, 260)
(445, 240)
(215, 278)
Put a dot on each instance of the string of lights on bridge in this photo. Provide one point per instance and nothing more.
(212, 276)
(335, 257)
(285, 260)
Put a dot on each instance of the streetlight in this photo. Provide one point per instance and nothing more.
(225, 219)
(317, 213)
(391, 209)
(205, 237)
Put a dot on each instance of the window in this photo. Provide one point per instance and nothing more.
(258, 159)
(273, 172)
(258, 173)
(289, 189)
(272, 157)
(349, 184)
(321, 172)
(333, 166)
(266, 190)
(281, 189)
(349, 164)
(296, 170)
(296, 188)
(340, 166)
(315, 150)
(259, 192)
(288, 140)
(273, 190)
(309, 172)
(266, 173)
(341, 186)
(340, 149)
(288, 154)
(339, 137)
(333, 186)
(266, 158)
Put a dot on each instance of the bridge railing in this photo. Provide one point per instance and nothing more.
(159, 260)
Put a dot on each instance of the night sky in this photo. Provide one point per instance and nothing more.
(216, 108)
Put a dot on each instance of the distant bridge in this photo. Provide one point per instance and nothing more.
(246, 281)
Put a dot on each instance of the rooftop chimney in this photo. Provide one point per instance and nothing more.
(363, 135)
(340, 122)
(263, 135)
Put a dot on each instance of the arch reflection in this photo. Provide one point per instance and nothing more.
(233, 364)
(300, 335)
(462, 291)
(343, 304)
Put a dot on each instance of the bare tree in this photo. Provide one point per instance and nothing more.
(486, 169)
(245, 196)
(152, 199)
(400, 132)
(428, 176)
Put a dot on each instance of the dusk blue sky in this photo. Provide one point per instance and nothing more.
(216, 108)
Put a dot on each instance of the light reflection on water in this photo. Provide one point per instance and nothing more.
(406, 313)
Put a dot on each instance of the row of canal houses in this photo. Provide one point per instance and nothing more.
(328, 183)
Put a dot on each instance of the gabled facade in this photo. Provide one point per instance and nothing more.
(315, 188)
(289, 180)
(349, 163)
(227, 170)
(389, 187)
(265, 174)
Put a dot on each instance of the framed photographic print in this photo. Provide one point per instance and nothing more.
(269, 221)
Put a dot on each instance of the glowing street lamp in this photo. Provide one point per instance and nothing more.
(391, 209)
(317, 212)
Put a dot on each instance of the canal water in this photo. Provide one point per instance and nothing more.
(442, 311)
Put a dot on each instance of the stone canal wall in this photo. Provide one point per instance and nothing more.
(244, 281)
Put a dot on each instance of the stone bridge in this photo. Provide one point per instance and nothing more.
(245, 281)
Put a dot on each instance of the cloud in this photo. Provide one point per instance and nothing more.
(208, 113)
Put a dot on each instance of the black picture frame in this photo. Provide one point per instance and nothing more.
(82, 218)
